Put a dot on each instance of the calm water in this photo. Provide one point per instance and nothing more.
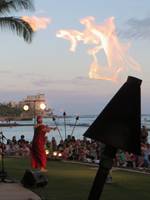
(82, 125)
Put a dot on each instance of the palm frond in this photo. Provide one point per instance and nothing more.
(19, 26)
(7, 6)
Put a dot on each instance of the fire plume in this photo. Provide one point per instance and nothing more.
(104, 38)
(37, 22)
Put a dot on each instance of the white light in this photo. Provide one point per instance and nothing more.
(55, 153)
(47, 152)
(60, 155)
(26, 107)
(42, 106)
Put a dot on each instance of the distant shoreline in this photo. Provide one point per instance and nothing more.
(14, 124)
(18, 124)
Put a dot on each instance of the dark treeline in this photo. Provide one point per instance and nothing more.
(9, 110)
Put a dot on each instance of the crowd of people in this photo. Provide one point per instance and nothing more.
(90, 151)
(14, 147)
(83, 150)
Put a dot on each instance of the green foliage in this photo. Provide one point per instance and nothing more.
(15, 24)
(7, 5)
(7, 110)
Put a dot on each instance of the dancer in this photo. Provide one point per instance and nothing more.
(38, 145)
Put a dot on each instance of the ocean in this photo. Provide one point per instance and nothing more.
(82, 125)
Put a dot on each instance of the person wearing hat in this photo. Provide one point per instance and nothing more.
(38, 155)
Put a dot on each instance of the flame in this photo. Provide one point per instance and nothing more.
(37, 22)
(104, 38)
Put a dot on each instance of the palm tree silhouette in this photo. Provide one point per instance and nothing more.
(16, 24)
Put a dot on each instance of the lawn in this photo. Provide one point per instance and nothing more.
(73, 181)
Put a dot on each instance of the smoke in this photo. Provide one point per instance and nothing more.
(136, 29)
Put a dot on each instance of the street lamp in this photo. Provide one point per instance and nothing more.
(25, 107)
(42, 106)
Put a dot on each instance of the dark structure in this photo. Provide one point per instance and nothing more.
(34, 179)
(3, 173)
(118, 127)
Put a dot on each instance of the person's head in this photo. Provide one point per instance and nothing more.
(14, 138)
(39, 119)
(8, 141)
(22, 136)
(69, 136)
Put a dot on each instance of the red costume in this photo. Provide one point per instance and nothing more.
(38, 145)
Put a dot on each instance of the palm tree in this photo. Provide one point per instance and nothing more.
(16, 24)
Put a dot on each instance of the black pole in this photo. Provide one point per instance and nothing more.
(34, 113)
(77, 118)
(57, 128)
(64, 114)
(3, 173)
(106, 163)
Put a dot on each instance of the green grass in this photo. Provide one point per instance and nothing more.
(73, 182)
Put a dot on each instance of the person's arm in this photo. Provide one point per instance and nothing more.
(48, 128)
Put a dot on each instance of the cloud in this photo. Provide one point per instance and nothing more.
(76, 81)
(27, 75)
(136, 28)
(5, 72)
(37, 23)
(47, 81)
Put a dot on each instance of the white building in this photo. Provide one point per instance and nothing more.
(34, 103)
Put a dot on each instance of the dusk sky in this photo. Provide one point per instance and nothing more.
(47, 66)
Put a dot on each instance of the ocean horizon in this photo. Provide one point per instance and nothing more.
(73, 127)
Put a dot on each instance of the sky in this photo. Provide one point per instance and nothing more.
(47, 66)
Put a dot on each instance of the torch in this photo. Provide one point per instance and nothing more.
(54, 120)
(64, 114)
(119, 127)
(77, 118)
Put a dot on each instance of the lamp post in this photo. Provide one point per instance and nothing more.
(42, 106)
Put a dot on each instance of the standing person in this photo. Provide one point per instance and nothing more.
(22, 140)
(144, 135)
(38, 145)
